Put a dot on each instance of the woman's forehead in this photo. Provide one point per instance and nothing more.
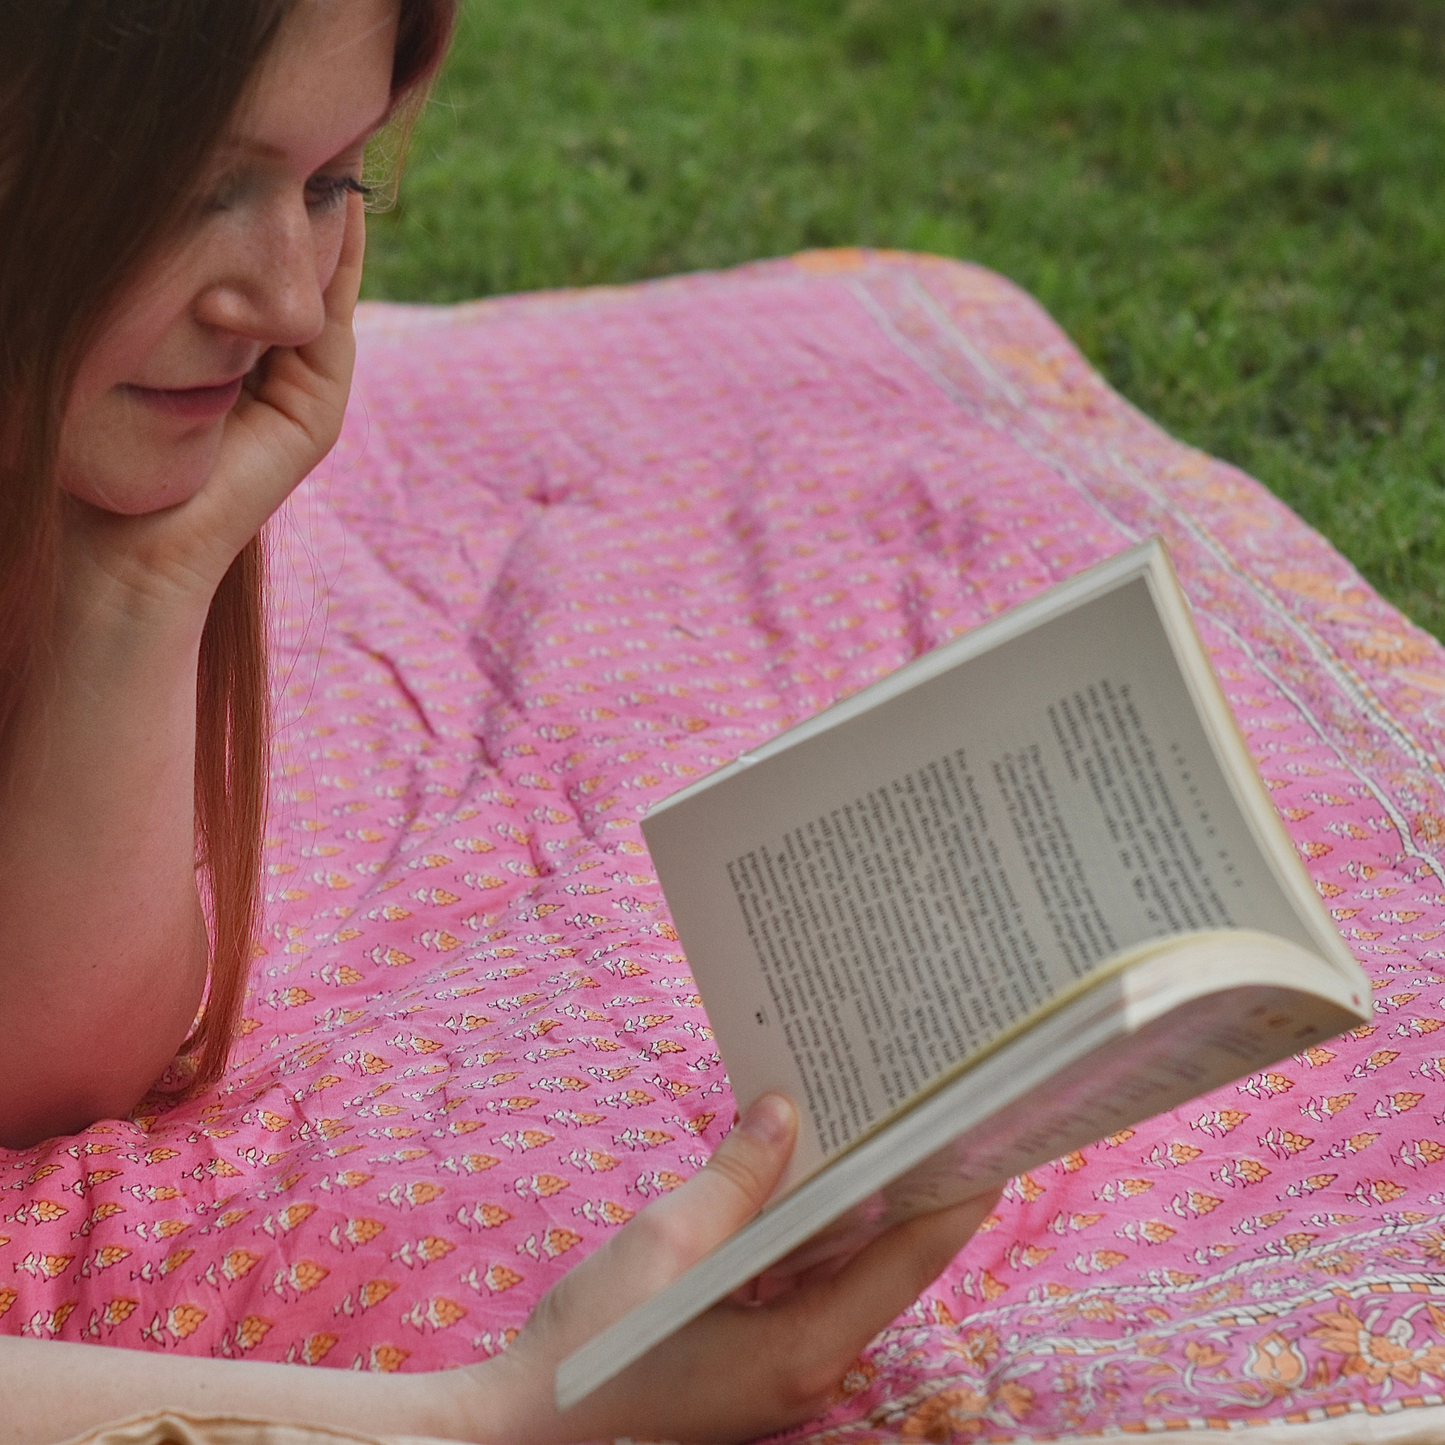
(325, 86)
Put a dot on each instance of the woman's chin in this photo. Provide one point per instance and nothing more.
(147, 479)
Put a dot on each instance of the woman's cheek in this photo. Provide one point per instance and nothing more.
(117, 458)
(330, 232)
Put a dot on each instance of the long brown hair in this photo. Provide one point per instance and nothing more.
(109, 112)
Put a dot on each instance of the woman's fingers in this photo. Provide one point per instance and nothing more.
(882, 1280)
(784, 1358)
(345, 284)
(803, 1343)
(736, 1182)
(671, 1235)
(288, 421)
(515, 1391)
(308, 386)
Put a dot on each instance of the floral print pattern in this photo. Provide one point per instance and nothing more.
(576, 549)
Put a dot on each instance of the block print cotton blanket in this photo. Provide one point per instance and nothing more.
(577, 549)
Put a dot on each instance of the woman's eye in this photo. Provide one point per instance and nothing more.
(323, 193)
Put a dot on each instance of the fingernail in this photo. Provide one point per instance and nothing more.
(769, 1119)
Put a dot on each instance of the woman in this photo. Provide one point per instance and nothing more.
(181, 191)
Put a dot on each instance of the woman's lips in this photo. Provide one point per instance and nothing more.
(192, 403)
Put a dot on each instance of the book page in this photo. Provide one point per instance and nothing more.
(864, 910)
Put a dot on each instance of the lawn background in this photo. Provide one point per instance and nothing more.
(1235, 207)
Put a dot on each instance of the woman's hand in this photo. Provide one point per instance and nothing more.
(288, 418)
(290, 414)
(739, 1370)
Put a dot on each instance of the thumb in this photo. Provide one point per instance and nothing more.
(744, 1169)
(681, 1227)
(673, 1233)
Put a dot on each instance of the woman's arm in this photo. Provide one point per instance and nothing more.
(737, 1372)
(103, 948)
(53, 1391)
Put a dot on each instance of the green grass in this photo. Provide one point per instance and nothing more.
(1237, 209)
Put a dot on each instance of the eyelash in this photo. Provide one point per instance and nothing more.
(326, 192)
(323, 193)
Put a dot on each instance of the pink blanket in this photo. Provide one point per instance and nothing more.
(576, 549)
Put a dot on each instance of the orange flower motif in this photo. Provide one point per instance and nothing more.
(963, 1411)
(1017, 1399)
(418, 1192)
(559, 1240)
(315, 1348)
(251, 1331)
(1276, 1362)
(292, 1215)
(1337, 1262)
(1123, 1189)
(991, 1287)
(1391, 648)
(1202, 1355)
(440, 1313)
(52, 1323)
(605, 1211)
(1317, 585)
(499, 1278)
(1148, 1231)
(489, 1216)
(356, 1232)
(175, 1260)
(1391, 1355)
(184, 1320)
(947, 1414)
(1025, 1187)
(375, 1290)
(978, 1347)
(99, 1215)
(385, 1359)
(1285, 1142)
(1021, 1255)
(480, 1163)
(51, 1266)
(1383, 1191)
(860, 1375)
(303, 1276)
(238, 1263)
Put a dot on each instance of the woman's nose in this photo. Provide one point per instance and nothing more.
(269, 287)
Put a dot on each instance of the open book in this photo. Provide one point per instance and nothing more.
(1019, 895)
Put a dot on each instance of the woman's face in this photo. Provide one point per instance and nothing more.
(144, 421)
